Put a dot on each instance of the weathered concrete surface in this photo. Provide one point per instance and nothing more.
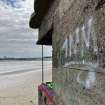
(69, 90)
(72, 86)
(47, 22)
(67, 20)
(76, 87)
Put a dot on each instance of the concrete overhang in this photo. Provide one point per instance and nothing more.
(41, 8)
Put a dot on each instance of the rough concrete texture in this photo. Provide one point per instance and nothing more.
(77, 87)
(48, 20)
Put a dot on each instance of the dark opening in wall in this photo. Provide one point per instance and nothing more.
(100, 4)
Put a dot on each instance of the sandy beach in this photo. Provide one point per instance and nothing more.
(20, 88)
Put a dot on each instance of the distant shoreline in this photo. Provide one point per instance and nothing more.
(25, 59)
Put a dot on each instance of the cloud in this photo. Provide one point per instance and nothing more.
(16, 38)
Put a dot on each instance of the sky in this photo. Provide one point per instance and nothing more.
(16, 38)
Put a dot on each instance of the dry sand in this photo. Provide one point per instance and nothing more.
(21, 89)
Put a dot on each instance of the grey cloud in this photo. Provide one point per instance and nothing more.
(16, 38)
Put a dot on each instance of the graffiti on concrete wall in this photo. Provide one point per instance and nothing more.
(80, 47)
(89, 81)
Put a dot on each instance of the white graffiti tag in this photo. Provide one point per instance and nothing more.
(81, 46)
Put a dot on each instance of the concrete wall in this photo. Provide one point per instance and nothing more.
(79, 86)
(78, 75)
(66, 21)
(47, 22)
